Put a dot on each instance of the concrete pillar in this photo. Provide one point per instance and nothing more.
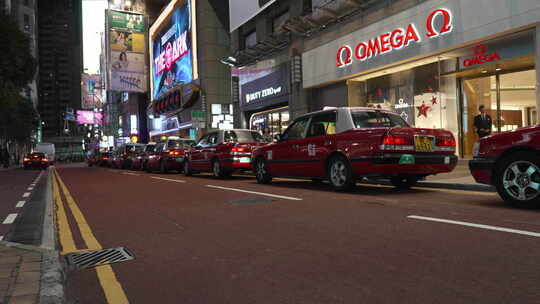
(537, 66)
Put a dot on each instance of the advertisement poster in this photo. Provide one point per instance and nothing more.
(127, 41)
(127, 62)
(89, 117)
(91, 91)
(128, 82)
(127, 21)
(172, 62)
(136, 6)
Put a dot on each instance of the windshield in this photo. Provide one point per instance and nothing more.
(37, 155)
(376, 119)
(243, 136)
(134, 148)
(150, 148)
(183, 143)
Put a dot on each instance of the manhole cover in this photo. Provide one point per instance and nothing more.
(96, 258)
(252, 200)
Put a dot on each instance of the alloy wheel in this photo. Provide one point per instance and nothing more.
(338, 173)
(217, 169)
(521, 180)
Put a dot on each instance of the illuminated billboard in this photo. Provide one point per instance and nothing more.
(89, 117)
(173, 52)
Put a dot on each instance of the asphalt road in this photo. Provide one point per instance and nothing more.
(202, 240)
(21, 205)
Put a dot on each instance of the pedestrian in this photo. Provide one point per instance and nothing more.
(482, 122)
(5, 157)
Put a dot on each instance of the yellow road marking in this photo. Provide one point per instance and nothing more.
(66, 237)
(114, 293)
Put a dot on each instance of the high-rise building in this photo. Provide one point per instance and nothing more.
(60, 65)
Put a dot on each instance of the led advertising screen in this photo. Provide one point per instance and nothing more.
(173, 48)
(89, 117)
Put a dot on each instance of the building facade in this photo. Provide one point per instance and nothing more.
(190, 88)
(434, 62)
(60, 66)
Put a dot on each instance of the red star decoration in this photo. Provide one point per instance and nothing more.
(433, 100)
(422, 110)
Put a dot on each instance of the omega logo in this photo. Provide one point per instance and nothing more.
(395, 40)
(480, 56)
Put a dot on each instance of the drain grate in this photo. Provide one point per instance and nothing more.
(96, 258)
(252, 200)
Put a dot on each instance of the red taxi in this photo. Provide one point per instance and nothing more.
(35, 160)
(511, 162)
(169, 154)
(345, 144)
(124, 155)
(223, 151)
(139, 161)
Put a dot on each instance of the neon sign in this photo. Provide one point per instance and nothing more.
(395, 39)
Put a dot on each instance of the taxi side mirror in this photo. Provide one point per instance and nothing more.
(278, 137)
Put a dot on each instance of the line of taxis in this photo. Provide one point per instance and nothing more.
(340, 145)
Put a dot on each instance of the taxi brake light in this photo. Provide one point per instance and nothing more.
(26, 159)
(391, 140)
(44, 159)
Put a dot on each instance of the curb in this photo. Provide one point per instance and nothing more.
(441, 185)
(53, 271)
(454, 186)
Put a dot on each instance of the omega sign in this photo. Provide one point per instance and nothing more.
(396, 39)
(480, 56)
(263, 93)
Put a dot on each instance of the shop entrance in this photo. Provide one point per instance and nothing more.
(509, 98)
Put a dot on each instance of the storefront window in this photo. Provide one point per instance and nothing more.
(271, 122)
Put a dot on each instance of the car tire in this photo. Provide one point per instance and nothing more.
(217, 170)
(147, 168)
(187, 168)
(162, 167)
(340, 174)
(517, 179)
(261, 172)
(404, 182)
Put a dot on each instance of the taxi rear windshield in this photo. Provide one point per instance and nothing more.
(243, 136)
(376, 119)
(174, 144)
(134, 148)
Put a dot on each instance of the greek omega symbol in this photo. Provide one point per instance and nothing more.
(396, 39)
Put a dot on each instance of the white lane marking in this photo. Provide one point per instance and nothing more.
(30, 188)
(488, 227)
(129, 173)
(168, 179)
(258, 193)
(10, 218)
(20, 204)
(26, 194)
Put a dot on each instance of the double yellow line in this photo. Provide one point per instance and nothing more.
(114, 293)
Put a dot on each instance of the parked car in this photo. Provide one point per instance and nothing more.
(345, 144)
(123, 156)
(36, 160)
(223, 151)
(140, 162)
(511, 162)
(169, 154)
(99, 159)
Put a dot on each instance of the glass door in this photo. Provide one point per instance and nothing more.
(509, 99)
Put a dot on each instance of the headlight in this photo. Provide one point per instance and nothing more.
(476, 149)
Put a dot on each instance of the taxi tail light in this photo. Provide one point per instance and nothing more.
(44, 159)
(26, 159)
(397, 140)
(446, 142)
(239, 149)
(174, 153)
(125, 153)
(105, 158)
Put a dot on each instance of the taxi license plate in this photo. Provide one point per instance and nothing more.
(424, 143)
(245, 159)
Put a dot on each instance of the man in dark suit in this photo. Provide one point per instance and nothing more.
(482, 123)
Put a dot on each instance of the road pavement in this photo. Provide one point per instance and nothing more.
(203, 240)
(19, 189)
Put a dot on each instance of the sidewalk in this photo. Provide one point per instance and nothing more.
(20, 273)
